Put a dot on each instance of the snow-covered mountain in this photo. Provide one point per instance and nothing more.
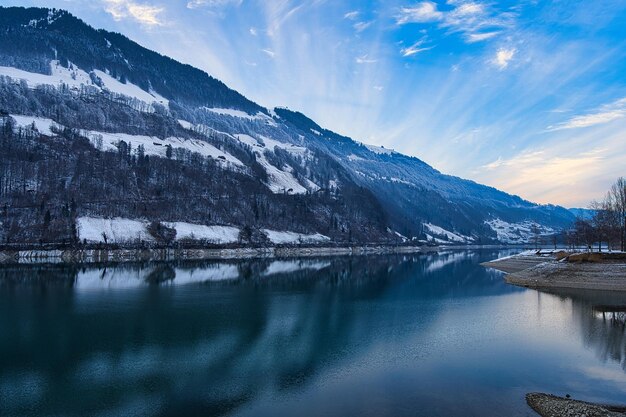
(96, 126)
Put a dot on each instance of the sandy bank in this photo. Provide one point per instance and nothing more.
(557, 270)
(552, 274)
(517, 263)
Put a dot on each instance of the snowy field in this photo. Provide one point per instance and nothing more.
(122, 230)
(75, 78)
(281, 179)
(521, 232)
(437, 234)
(280, 238)
(158, 147)
(220, 234)
(152, 145)
(41, 124)
(116, 230)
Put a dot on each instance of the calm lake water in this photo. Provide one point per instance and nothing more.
(423, 335)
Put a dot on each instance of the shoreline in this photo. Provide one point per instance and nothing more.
(559, 270)
(118, 255)
(547, 405)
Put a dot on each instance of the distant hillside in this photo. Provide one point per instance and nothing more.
(582, 213)
(96, 126)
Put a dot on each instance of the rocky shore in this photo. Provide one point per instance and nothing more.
(547, 405)
(87, 256)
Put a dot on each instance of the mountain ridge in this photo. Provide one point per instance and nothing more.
(130, 94)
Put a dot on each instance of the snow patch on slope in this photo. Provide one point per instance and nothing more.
(116, 230)
(236, 113)
(398, 234)
(129, 89)
(122, 230)
(440, 233)
(75, 78)
(521, 232)
(158, 147)
(271, 145)
(41, 124)
(380, 150)
(106, 141)
(214, 234)
(279, 180)
(279, 238)
(242, 115)
(185, 124)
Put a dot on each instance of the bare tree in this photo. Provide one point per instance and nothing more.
(608, 223)
(584, 233)
(535, 232)
(617, 199)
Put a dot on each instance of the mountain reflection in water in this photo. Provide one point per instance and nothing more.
(376, 335)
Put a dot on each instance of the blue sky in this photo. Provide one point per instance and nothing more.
(526, 96)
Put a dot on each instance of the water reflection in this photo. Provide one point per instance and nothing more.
(215, 338)
(601, 316)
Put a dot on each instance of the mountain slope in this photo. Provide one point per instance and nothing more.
(180, 146)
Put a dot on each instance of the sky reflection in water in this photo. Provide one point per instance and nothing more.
(428, 335)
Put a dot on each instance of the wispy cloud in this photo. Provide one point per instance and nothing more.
(479, 37)
(476, 21)
(361, 26)
(281, 12)
(605, 114)
(269, 53)
(458, 89)
(365, 59)
(353, 15)
(194, 4)
(415, 49)
(422, 12)
(145, 14)
(503, 57)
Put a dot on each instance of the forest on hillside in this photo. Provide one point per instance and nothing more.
(46, 182)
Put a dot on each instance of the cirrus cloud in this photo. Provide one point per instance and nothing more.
(474, 20)
(415, 49)
(194, 4)
(423, 12)
(606, 114)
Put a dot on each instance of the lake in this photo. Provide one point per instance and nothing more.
(417, 335)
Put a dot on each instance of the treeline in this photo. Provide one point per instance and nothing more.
(608, 223)
(46, 182)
